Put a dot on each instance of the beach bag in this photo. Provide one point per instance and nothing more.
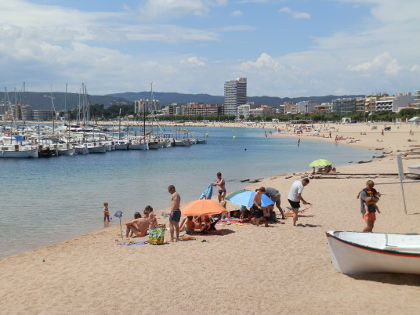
(157, 235)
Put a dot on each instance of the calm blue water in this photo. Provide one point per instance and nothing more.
(44, 201)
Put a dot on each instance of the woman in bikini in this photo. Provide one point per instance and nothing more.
(222, 187)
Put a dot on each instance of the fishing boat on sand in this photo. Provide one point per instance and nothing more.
(358, 252)
(414, 169)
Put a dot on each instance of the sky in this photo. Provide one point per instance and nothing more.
(284, 48)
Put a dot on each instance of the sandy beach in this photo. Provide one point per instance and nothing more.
(248, 269)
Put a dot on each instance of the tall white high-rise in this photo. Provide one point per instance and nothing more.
(235, 95)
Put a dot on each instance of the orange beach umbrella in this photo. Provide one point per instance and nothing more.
(201, 207)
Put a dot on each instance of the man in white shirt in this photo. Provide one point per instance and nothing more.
(295, 196)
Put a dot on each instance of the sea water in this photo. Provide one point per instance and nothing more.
(45, 201)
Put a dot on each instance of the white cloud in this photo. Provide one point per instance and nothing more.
(415, 68)
(383, 62)
(157, 9)
(264, 62)
(295, 14)
(194, 61)
(237, 13)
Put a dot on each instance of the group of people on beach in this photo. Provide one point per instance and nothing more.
(257, 214)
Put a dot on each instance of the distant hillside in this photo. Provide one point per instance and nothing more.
(168, 98)
(42, 100)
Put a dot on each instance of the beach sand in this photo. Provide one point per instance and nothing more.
(248, 269)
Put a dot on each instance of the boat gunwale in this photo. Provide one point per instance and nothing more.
(372, 249)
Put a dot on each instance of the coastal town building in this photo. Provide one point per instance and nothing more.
(416, 102)
(360, 105)
(146, 105)
(323, 108)
(235, 95)
(262, 111)
(42, 115)
(306, 107)
(244, 111)
(197, 109)
(370, 102)
(344, 105)
(290, 108)
(27, 112)
(281, 110)
(394, 103)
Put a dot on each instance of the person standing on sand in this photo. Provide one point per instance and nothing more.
(222, 187)
(368, 207)
(175, 215)
(295, 196)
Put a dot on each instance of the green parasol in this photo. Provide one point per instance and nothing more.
(320, 163)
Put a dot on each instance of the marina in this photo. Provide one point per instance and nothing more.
(33, 141)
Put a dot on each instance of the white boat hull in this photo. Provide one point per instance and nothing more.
(140, 146)
(19, 154)
(182, 143)
(357, 252)
(66, 152)
(97, 149)
(121, 146)
(81, 150)
(414, 169)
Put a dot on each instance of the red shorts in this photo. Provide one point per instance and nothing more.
(369, 216)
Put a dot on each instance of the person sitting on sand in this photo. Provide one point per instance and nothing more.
(132, 227)
(260, 213)
(190, 225)
(140, 225)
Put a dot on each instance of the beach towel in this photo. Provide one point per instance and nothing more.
(208, 192)
(289, 212)
(133, 243)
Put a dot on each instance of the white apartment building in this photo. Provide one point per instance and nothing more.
(394, 103)
(244, 110)
(235, 95)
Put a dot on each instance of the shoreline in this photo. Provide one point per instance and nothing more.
(91, 258)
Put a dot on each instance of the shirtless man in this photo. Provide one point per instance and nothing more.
(222, 187)
(139, 225)
(175, 215)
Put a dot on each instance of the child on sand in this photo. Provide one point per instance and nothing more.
(106, 212)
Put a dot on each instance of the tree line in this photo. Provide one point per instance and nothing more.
(100, 112)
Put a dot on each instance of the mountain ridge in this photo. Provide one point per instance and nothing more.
(42, 100)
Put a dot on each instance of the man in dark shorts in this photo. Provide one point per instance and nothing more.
(175, 215)
(274, 195)
(295, 196)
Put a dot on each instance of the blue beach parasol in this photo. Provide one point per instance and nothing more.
(246, 197)
(118, 214)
